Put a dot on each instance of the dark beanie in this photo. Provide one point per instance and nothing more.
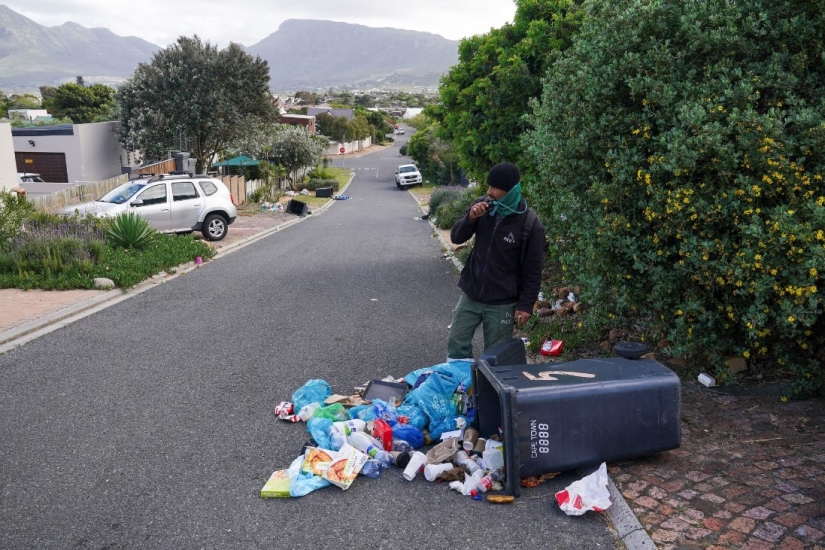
(503, 176)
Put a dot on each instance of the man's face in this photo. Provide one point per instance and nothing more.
(495, 193)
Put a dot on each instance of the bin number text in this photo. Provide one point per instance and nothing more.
(539, 439)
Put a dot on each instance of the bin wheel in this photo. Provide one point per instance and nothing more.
(630, 350)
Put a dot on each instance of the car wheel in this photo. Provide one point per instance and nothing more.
(398, 185)
(214, 227)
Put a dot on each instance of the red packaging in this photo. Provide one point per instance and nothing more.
(383, 433)
(552, 347)
(284, 407)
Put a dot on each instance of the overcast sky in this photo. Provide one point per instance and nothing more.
(249, 21)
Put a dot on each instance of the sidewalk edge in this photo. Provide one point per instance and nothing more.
(627, 526)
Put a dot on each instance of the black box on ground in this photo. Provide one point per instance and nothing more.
(560, 416)
(323, 192)
(297, 207)
(391, 392)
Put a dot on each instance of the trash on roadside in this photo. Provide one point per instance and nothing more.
(304, 192)
(531, 482)
(552, 347)
(707, 380)
(588, 493)
(341, 197)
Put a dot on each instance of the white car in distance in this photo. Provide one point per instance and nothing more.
(407, 175)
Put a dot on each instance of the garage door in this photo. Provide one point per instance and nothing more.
(50, 166)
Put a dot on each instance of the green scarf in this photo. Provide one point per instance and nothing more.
(509, 203)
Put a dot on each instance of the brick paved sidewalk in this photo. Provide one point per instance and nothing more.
(750, 474)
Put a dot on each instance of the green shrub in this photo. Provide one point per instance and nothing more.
(680, 149)
(448, 213)
(314, 184)
(444, 194)
(403, 150)
(14, 210)
(128, 230)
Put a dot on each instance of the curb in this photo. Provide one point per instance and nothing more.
(35, 328)
(625, 522)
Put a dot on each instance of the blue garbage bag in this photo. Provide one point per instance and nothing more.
(302, 483)
(363, 412)
(385, 411)
(461, 370)
(434, 396)
(408, 433)
(319, 429)
(314, 391)
(414, 415)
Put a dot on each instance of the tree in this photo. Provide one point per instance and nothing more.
(293, 148)
(334, 127)
(436, 158)
(680, 149)
(485, 96)
(82, 104)
(192, 95)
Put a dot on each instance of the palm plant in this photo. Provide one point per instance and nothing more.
(128, 230)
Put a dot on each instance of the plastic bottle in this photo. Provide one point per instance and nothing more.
(364, 443)
(336, 438)
(401, 446)
(347, 426)
(372, 468)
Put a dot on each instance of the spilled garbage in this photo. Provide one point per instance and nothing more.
(387, 425)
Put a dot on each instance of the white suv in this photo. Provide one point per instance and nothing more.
(170, 203)
(407, 175)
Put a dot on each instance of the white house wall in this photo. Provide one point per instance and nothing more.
(100, 151)
(8, 168)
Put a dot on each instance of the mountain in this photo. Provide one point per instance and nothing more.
(32, 55)
(307, 54)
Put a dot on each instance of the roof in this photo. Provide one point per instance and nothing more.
(315, 111)
(242, 160)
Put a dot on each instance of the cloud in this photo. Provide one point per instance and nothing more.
(249, 21)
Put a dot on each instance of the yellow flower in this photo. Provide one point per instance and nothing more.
(746, 354)
(813, 272)
(678, 312)
(790, 319)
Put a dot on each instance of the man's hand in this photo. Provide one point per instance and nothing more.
(477, 210)
(521, 317)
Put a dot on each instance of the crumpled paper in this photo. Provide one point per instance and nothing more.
(588, 493)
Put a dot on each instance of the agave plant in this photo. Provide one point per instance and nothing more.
(128, 230)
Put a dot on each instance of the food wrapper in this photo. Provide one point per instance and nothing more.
(552, 347)
(277, 486)
(316, 460)
(345, 466)
(588, 493)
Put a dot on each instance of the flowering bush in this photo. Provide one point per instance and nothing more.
(680, 149)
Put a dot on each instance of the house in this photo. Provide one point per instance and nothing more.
(29, 115)
(306, 121)
(315, 111)
(8, 174)
(70, 153)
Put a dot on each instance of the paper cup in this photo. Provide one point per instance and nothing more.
(479, 446)
(432, 471)
(470, 438)
(417, 460)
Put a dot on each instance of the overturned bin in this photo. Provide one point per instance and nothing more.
(560, 416)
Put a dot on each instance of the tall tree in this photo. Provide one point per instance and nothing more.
(82, 104)
(293, 148)
(191, 94)
(485, 96)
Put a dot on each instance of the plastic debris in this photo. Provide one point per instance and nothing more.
(588, 493)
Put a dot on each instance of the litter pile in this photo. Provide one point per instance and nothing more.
(385, 426)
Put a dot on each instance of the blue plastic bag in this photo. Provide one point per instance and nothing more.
(319, 429)
(385, 411)
(302, 483)
(314, 391)
(413, 415)
(408, 433)
(363, 412)
(461, 370)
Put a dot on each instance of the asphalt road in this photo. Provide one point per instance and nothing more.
(150, 425)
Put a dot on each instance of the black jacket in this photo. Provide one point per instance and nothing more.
(494, 273)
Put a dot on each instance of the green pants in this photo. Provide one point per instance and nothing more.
(497, 323)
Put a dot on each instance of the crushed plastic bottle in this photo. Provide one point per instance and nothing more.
(401, 446)
(373, 467)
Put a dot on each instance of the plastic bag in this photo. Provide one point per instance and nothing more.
(411, 415)
(385, 411)
(408, 433)
(588, 493)
(335, 412)
(461, 371)
(302, 483)
(362, 412)
(319, 429)
(434, 396)
(314, 391)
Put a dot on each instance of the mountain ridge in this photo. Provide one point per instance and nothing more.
(302, 54)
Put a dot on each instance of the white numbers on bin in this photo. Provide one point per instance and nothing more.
(544, 438)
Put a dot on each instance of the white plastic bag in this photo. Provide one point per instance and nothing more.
(588, 493)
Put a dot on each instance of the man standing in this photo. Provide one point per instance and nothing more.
(501, 279)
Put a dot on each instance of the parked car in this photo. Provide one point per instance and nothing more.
(407, 175)
(170, 203)
(29, 177)
(400, 131)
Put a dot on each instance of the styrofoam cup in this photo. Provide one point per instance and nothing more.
(417, 460)
(432, 471)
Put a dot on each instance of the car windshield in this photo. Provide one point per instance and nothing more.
(121, 194)
(405, 169)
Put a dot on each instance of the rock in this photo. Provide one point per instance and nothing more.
(676, 362)
(562, 292)
(103, 283)
(617, 334)
(544, 312)
(605, 345)
(577, 307)
(650, 355)
(736, 363)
